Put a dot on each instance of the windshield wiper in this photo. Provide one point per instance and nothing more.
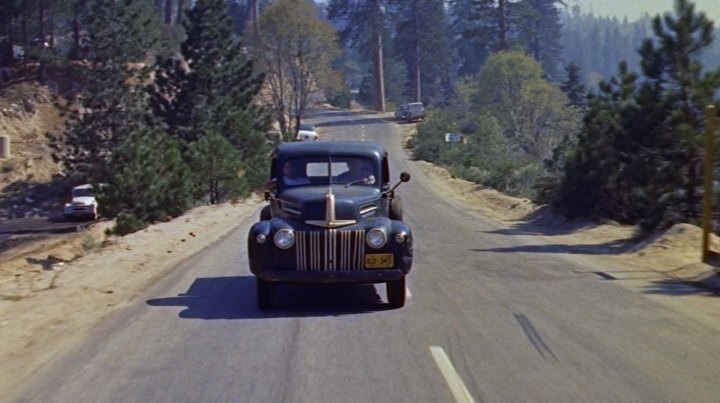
(370, 180)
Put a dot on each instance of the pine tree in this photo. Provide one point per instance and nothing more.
(638, 158)
(367, 38)
(422, 42)
(113, 102)
(573, 86)
(539, 32)
(672, 68)
(591, 184)
(480, 28)
(212, 90)
(221, 166)
(149, 181)
(471, 53)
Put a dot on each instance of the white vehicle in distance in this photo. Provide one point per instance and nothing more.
(83, 203)
(307, 132)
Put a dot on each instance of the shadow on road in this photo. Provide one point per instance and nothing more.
(352, 122)
(609, 248)
(337, 113)
(680, 288)
(235, 298)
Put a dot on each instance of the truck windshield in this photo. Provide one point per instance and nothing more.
(82, 192)
(320, 171)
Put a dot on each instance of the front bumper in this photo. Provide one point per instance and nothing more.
(365, 276)
(79, 211)
(328, 256)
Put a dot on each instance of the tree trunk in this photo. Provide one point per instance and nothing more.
(416, 67)
(252, 15)
(158, 5)
(78, 9)
(76, 29)
(180, 12)
(6, 50)
(502, 26)
(168, 12)
(41, 23)
(23, 28)
(42, 76)
(51, 27)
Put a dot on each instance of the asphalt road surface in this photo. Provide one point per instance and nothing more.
(492, 316)
(20, 230)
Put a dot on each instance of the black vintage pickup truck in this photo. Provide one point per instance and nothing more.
(333, 217)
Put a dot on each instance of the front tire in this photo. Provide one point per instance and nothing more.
(396, 293)
(265, 293)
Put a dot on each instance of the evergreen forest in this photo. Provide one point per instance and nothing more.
(172, 100)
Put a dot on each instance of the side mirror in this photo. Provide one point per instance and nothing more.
(270, 187)
(404, 177)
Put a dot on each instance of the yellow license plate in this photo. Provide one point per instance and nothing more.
(379, 261)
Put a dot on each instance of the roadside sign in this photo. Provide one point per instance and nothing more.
(454, 138)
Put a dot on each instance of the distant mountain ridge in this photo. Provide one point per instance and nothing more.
(635, 9)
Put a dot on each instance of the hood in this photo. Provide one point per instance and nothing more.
(330, 206)
(84, 200)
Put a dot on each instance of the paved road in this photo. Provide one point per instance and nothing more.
(17, 231)
(493, 316)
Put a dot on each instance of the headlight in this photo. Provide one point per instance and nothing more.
(376, 238)
(284, 239)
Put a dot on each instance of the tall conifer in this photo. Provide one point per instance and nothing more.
(212, 89)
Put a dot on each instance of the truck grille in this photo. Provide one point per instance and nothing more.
(330, 250)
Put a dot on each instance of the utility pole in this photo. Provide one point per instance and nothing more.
(379, 75)
(379, 81)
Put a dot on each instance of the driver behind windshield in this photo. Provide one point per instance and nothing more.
(358, 169)
(294, 174)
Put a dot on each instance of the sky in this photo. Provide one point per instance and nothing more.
(634, 9)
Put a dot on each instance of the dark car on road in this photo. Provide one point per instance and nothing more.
(410, 111)
(333, 217)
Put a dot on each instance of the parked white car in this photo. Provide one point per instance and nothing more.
(307, 133)
(83, 203)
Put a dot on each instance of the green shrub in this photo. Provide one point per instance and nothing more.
(127, 223)
(341, 100)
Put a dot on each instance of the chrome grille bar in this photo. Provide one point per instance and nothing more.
(330, 250)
